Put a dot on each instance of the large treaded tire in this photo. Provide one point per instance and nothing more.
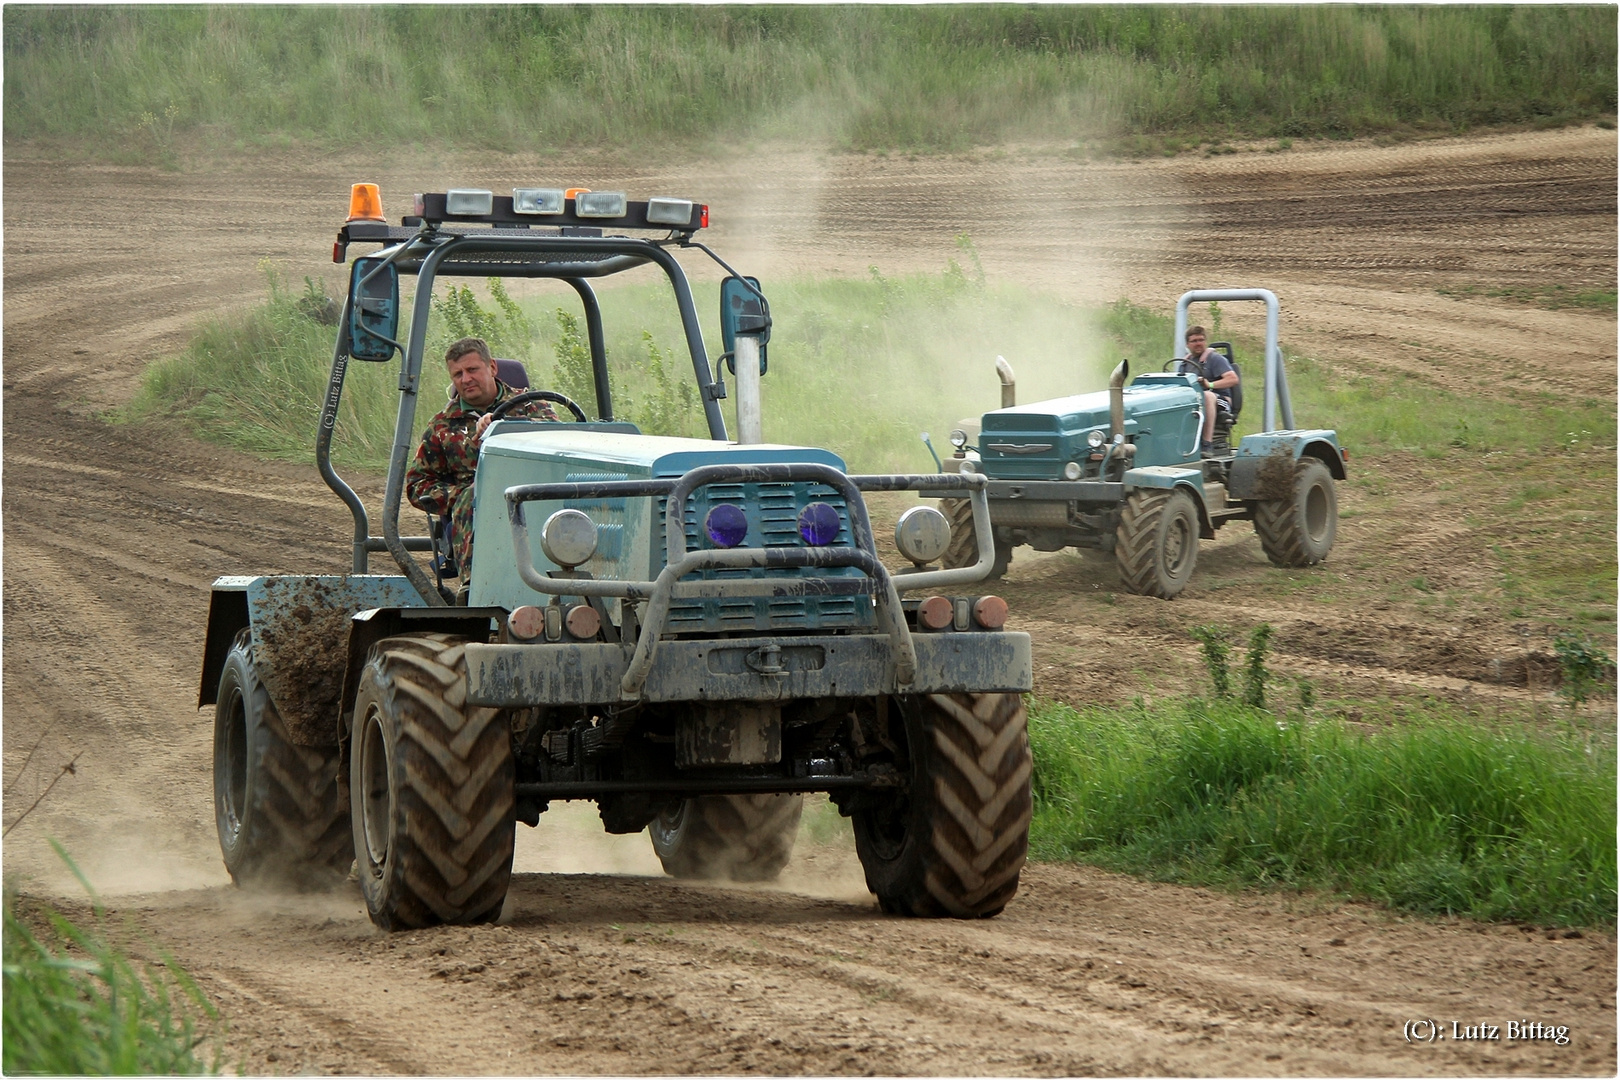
(1156, 544)
(1299, 531)
(728, 837)
(964, 546)
(954, 845)
(432, 780)
(280, 809)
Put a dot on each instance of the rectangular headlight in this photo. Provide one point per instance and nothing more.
(468, 201)
(537, 200)
(661, 211)
(602, 204)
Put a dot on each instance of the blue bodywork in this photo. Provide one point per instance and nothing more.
(631, 541)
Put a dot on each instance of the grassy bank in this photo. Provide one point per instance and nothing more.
(148, 83)
(1438, 815)
(77, 1004)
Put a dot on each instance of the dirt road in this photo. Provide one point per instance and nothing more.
(112, 534)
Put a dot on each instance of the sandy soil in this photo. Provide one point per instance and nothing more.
(113, 533)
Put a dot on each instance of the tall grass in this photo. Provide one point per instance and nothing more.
(544, 77)
(1436, 816)
(76, 1004)
(860, 366)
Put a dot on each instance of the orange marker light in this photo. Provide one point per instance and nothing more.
(934, 613)
(571, 192)
(990, 612)
(365, 203)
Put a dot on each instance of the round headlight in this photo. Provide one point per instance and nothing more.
(1071, 471)
(958, 438)
(1095, 439)
(819, 524)
(969, 466)
(568, 538)
(922, 534)
(726, 526)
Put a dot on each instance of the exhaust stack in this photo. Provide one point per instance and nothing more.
(1009, 385)
(1116, 400)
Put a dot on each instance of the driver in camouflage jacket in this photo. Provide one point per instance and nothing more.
(440, 480)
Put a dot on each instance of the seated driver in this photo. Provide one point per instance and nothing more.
(440, 480)
(1218, 378)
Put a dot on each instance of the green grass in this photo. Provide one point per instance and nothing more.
(77, 1004)
(859, 366)
(1438, 815)
(150, 82)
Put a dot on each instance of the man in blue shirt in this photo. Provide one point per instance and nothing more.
(1216, 376)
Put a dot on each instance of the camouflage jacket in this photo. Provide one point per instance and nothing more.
(442, 474)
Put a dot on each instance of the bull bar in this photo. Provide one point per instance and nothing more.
(668, 587)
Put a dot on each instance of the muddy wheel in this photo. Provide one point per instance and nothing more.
(964, 546)
(1299, 531)
(954, 844)
(281, 812)
(432, 788)
(735, 837)
(1156, 545)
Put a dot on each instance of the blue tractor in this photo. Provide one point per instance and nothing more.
(692, 633)
(1121, 471)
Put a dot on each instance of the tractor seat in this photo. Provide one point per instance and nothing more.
(511, 373)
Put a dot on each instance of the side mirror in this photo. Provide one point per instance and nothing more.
(373, 310)
(742, 311)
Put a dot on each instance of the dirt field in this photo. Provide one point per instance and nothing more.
(113, 533)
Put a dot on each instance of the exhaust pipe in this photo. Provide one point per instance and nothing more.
(1116, 401)
(1009, 385)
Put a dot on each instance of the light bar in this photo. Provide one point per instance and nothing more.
(472, 201)
(661, 211)
(534, 200)
(600, 204)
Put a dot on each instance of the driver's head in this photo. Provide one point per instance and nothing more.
(1197, 341)
(472, 372)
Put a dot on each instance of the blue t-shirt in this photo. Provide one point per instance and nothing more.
(1216, 365)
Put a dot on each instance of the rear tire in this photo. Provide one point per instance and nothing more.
(953, 845)
(964, 546)
(280, 809)
(1156, 545)
(727, 837)
(432, 778)
(1299, 531)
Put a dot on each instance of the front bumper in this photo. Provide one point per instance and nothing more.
(728, 669)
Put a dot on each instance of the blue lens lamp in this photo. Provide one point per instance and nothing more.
(726, 526)
(819, 524)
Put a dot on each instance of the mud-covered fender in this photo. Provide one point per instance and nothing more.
(1174, 476)
(368, 627)
(1255, 470)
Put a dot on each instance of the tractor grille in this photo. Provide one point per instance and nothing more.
(773, 515)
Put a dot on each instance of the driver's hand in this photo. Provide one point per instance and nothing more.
(483, 422)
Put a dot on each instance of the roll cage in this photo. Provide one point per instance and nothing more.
(501, 243)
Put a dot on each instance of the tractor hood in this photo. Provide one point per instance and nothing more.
(630, 531)
(1035, 441)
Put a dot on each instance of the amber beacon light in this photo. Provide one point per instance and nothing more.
(365, 203)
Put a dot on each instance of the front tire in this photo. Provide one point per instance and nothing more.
(1299, 530)
(954, 844)
(1156, 545)
(727, 837)
(432, 780)
(964, 545)
(279, 808)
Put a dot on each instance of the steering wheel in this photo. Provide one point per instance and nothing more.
(1184, 365)
(538, 395)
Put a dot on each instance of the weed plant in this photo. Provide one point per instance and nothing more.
(1437, 816)
(138, 80)
(76, 1004)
